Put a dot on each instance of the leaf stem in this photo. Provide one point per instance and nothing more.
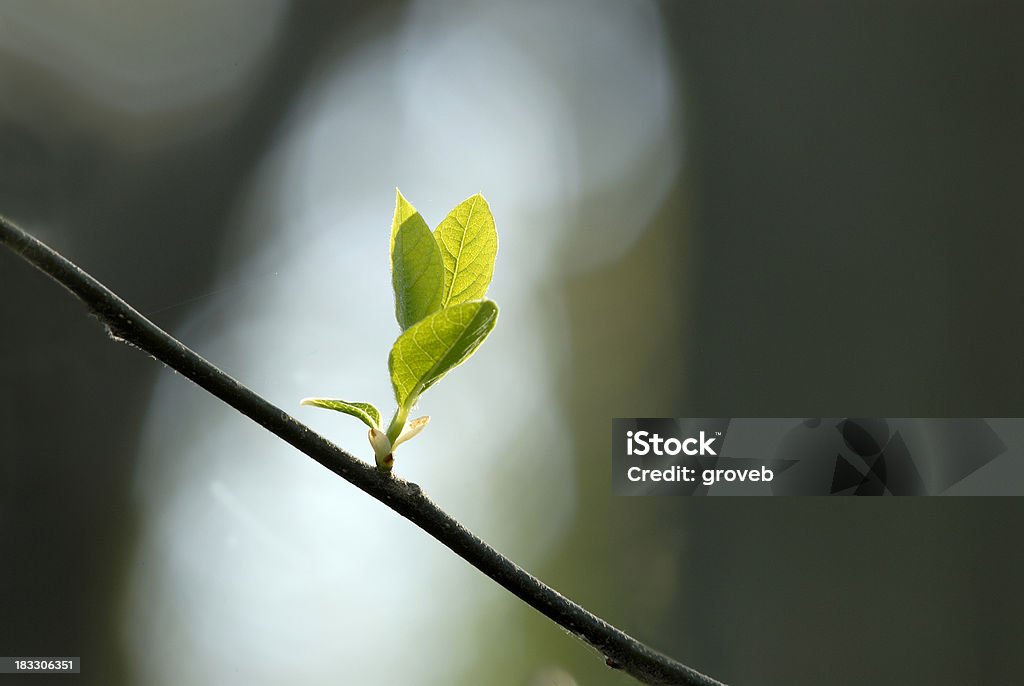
(397, 424)
(124, 323)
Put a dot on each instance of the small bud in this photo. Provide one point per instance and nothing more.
(381, 448)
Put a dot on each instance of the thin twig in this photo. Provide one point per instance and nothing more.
(620, 650)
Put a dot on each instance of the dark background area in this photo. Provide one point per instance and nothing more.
(845, 240)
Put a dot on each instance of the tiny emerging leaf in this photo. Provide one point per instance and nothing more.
(436, 345)
(417, 271)
(469, 244)
(365, 412)
(411, 431)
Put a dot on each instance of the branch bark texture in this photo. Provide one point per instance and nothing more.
(124, 323)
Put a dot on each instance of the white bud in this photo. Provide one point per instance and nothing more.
(381, 444)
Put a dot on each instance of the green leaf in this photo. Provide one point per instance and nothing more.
(363, 411)
(469, 244)
(417, 272)
(435, 346)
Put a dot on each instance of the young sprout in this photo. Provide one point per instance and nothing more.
(440, 279)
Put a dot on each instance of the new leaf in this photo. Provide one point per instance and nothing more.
(469, 244)
(417, 271)
(430, 349)
(363, 411)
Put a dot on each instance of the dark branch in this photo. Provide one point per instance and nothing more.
(620, 650)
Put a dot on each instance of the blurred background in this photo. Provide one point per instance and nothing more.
(704, 209)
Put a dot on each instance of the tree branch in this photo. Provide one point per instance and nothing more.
(124, 323)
